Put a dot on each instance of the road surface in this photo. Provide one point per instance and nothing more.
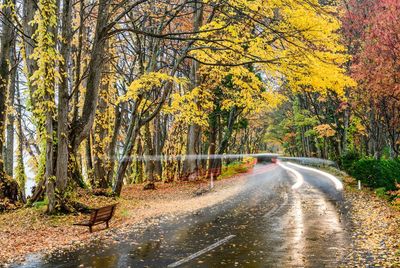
(285, 216)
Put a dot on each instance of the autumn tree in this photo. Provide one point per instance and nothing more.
(370, 28)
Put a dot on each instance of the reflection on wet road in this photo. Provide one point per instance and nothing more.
(270, 224)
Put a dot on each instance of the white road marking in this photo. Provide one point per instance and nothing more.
(201, 252)
(336, 181)
(299, 177)
(277, 208)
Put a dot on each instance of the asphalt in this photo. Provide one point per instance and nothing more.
(267, 224)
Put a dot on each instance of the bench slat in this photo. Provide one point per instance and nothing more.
(100, 215)
(103, 219)
(104, 212)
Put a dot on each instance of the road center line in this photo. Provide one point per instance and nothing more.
(276, 208)
(336, 181)
(299, 177)
(201, 252)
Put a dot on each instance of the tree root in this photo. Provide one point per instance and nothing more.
(8, 194)
(149, 186)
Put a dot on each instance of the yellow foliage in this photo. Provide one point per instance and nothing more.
(287, 40)
(325, 131)
(148, 82)
(192, 106)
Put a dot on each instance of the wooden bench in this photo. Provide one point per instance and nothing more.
(98, 216)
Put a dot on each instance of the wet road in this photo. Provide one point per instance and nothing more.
(285, 216)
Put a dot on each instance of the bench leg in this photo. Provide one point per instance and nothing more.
(90, 228)
(107, 224)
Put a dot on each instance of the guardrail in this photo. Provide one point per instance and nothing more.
(310, 161)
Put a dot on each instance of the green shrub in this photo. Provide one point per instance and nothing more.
(236, 167)
(248, 160)
(377, 173)
(381, 192)
(41, 204)
(124, 213)
(348, 160)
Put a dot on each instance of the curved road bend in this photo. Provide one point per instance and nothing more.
(285, 216)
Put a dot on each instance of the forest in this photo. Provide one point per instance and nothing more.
(105, 93)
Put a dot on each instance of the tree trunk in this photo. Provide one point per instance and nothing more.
(212, 139)
(158, 143)
(63, 105)
(223, 146)
(191, 164)
(80, 129)
(345, 130)
(99, 148)
(8, 188)
(139, 162)
(9, 150)
(228, 132)
(49, 171)
(29, 10)
(131, 136)
(149, 152)
(113, 144)
(78, 63)
(89, 159)
(99, 170)
(20, 174)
